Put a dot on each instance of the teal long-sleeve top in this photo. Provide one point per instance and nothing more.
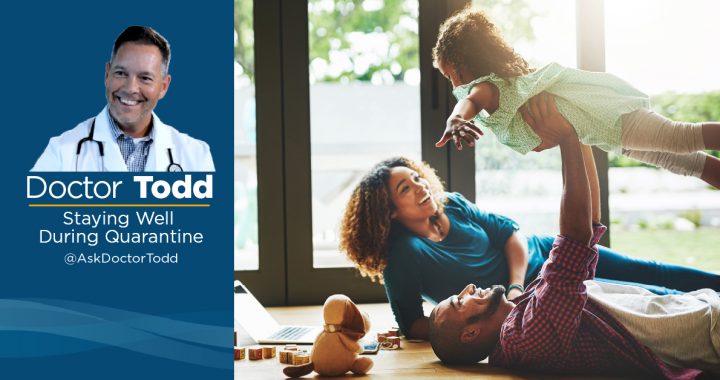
(472, 252)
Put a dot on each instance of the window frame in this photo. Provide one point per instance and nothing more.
(268, 283)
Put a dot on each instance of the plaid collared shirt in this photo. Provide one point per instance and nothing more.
(554, 327)
(134, 151)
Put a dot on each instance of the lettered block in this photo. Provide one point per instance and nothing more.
(268, 352)
(286, 356)
(239, 353)
(300, 359)
(254, 353)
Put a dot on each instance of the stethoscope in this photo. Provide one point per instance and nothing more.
(173, 167)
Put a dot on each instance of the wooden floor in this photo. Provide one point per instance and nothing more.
(413, 361)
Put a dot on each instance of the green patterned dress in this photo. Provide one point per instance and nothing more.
(592, 102)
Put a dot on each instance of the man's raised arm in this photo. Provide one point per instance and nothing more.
(594, 182)
(559, 292)
(577, 207)
(576, 204)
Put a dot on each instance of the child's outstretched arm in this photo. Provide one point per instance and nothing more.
(459, 126)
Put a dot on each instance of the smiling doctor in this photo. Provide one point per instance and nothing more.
(127, 135)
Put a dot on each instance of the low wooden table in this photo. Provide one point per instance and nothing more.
(413, 361)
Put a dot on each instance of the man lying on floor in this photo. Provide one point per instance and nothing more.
(567, 323)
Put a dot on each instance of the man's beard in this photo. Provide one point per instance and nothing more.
(497, 292)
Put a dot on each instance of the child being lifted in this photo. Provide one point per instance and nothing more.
(488, 75)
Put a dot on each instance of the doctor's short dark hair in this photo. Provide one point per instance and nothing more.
(147, 36)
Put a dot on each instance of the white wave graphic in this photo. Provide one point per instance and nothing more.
(142, 333)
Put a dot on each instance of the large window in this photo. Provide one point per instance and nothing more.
(339, 89)
(364, 102)
(667, 50)
(245, 229)
(527, 187)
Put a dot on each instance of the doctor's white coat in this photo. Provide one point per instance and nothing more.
(191, 154)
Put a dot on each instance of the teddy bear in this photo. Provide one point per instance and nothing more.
(336, 348)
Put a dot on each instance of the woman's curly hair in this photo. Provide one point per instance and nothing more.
(468, 39)
(366, 224)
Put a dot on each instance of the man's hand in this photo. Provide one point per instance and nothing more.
(542, 115)
(459, 130)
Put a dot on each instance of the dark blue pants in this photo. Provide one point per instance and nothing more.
(659, 278)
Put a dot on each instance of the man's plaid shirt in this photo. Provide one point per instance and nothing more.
(554, 327)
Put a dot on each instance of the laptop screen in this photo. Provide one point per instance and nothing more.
(251, 315)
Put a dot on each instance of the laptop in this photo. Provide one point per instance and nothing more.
(262, 327)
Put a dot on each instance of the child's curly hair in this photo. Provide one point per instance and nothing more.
(366, 224)
(469, 40)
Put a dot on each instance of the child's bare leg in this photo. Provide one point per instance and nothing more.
(711, 171)
(711, 135)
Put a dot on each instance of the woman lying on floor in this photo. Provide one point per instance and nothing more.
(401, 228)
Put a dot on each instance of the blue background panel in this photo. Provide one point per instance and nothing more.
(113, 321)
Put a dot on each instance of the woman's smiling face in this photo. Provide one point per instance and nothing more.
(410, 194)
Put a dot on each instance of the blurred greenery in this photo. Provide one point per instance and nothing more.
(694, 215)
(335, 31)
(244, 37)
(335, 25)
(694, 108)
(676, 247)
